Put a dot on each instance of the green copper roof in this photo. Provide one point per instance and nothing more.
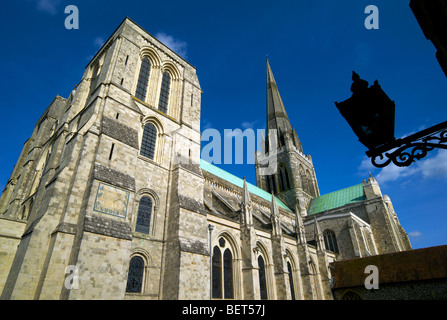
(240, 182)
(336, 199)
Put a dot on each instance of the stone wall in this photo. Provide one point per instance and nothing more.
(412, 290)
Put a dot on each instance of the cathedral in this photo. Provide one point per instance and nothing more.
(110, 199)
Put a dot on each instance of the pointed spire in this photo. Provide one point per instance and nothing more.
(276, 113)
(274, 217)
(299, 227)
(275, 210)
(246, 194)
(296, 140)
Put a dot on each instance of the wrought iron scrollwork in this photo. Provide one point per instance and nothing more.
(403, 152)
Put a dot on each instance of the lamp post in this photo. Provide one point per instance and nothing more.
(370, 113)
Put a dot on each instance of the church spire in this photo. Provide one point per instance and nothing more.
(276, 113)
(246, 214)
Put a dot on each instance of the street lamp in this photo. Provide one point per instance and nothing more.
(370, 113)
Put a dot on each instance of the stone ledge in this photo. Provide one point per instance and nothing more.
(65, 227)
(120, 132)
(191, 205)
(114, 177)
(194, 246)
(108, 227)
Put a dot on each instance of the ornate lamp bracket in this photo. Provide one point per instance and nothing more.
(403, 152)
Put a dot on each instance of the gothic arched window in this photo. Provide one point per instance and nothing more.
(262, 278)
(285, 178)
(217, 273)
(330, 241)
(94, 78)
(271, 183)
(143, 79)
(281, 181)
(164, 93)
(228, 274)
(144, 215)
(292, 288)
(222, 270)
(149, 141)
(222, 273)
(135, 275)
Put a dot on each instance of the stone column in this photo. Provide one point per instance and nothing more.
(250, 270)
(278, 251)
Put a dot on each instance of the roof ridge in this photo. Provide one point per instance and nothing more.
(337, 199)
(356, 185)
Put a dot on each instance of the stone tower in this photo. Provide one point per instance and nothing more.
(293, 179)
(109, 185)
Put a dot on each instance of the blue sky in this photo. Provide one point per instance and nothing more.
(313, 46)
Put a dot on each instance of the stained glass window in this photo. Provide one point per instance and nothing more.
(143, 79)
(285, 178)
(164, 93)
(144, 215)
(292, 289)
(262, 279)
(94, 79)
(149, 141)
(135, 276)
(271, 184)
(222, 270)
(280, 181)
(217, 273)
(330, 242)
(228, 274)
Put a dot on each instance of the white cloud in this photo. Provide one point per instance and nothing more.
(247, 124)
(366, 166)
(431, 167)
(414, 234)
(49, 6)
(435, 167)
(393, 173)
(206, 124)
(99, 41)
(175, 45)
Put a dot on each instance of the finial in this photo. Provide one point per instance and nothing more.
(267, 57)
